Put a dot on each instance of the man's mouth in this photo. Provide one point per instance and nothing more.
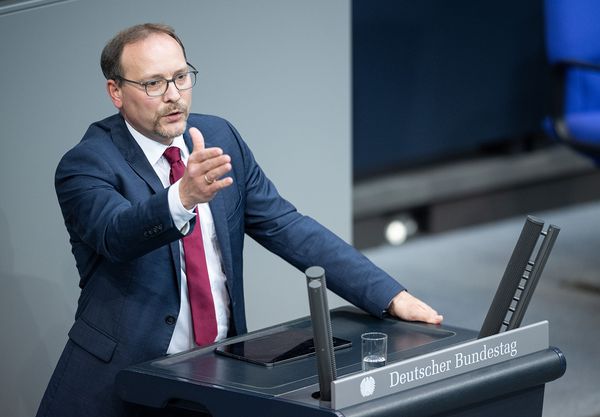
(174, 116)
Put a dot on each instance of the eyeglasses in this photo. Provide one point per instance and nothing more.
(159, 86)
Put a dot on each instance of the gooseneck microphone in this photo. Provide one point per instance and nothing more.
(322, 334)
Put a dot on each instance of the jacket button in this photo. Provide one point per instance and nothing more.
(170, 320)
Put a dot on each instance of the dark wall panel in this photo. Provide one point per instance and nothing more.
(436, 79)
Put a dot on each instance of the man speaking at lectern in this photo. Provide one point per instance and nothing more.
(156, 202)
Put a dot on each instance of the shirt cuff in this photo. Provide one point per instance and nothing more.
(180, 215)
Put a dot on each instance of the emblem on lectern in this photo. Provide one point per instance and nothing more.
(367, 386)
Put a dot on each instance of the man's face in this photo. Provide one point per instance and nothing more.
(159, 118)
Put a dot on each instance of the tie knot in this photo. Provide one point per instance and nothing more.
(172, 154)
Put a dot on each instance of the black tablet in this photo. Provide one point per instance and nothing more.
(276, 348)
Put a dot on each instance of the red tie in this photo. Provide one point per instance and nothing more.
(201, 301)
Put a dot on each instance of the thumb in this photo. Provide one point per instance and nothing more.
(197, 139)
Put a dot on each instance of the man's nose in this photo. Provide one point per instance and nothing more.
(172, 93)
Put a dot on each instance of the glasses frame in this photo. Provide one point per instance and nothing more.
(172, 80)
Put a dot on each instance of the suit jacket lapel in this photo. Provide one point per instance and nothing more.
(217, 208)
(135, 157)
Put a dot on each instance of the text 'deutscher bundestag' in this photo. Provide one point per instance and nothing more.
(434, 366)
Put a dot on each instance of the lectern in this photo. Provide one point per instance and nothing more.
(431, 371)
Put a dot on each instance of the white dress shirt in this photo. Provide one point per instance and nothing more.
(183, 334)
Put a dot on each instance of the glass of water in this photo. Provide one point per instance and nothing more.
(374, 350)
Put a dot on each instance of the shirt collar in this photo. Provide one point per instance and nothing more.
(154, 150)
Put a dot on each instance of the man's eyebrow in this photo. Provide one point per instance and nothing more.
(161, 76)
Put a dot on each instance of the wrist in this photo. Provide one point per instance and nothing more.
(393, 306)
(186, 201)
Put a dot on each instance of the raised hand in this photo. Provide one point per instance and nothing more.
(205, 168)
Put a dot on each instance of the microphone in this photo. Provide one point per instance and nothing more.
(322, 334)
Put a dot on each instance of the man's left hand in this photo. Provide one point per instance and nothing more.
(406, 307)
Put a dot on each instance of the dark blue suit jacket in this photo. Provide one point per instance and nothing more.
(126, 250)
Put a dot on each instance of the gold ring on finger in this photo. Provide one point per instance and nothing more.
(209, 181)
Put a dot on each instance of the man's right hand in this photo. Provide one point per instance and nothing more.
(202, 177)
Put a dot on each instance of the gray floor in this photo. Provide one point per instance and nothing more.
(458, 273)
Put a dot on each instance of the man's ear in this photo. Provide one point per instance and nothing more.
(114, 92)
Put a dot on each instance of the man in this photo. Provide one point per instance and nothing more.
(154, 198)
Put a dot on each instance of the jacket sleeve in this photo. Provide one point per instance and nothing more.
(107, 213)
(276, 224)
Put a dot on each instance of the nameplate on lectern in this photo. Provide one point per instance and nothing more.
(455, 360)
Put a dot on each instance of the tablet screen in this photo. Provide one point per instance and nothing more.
(276, 348)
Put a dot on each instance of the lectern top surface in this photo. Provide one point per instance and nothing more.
(204, 367)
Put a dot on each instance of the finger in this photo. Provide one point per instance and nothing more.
(217, 166)
(199, 152)
(437, 319)
(408, 307)
(217, 185)
(222, 183)
(432, 316)
(216, 174)
(197, 139)
(428, 314)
